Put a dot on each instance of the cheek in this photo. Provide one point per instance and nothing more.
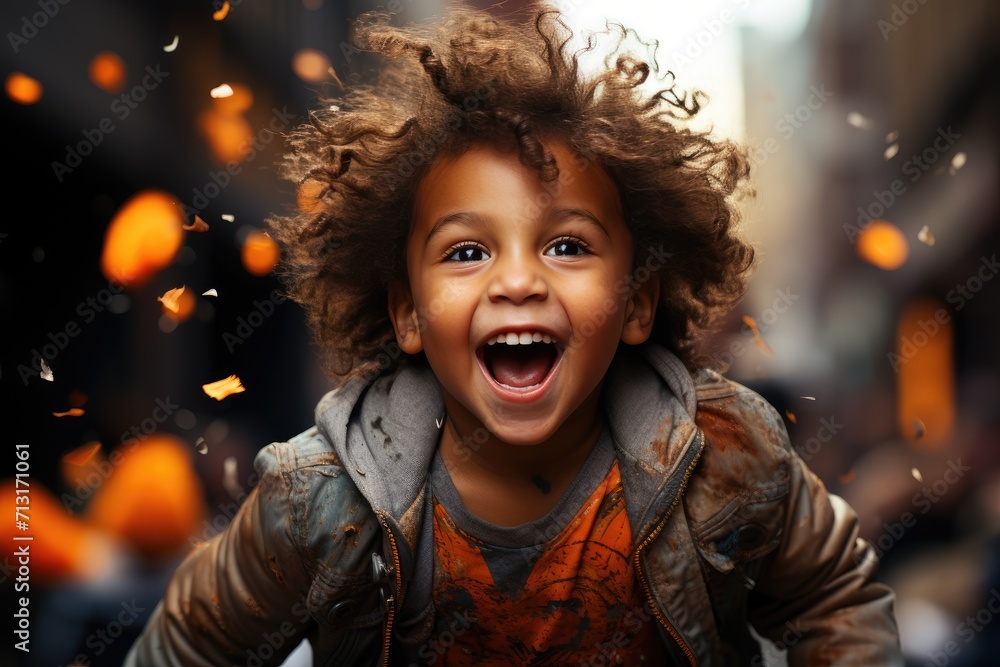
(446, 312)
(599, 319)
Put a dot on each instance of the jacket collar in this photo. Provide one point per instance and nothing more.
(385, 431)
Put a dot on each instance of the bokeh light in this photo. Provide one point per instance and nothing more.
(883, 245)
(22, 88)
(260, 253)
(143, 237)
(926, 380)
(311, 65)
(107, 72)
(153, 500)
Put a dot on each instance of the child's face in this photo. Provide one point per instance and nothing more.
(494, 252)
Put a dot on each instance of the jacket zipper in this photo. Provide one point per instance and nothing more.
(391, 602)
(642, 573)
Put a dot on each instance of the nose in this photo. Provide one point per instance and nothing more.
(517, 277)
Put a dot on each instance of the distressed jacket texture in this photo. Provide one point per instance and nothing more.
(732, 530)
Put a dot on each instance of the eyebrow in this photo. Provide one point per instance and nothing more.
(461, 217)
(472, 218)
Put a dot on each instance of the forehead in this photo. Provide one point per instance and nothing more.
(488, 175)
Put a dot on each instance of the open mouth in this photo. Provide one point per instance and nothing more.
(520, 361)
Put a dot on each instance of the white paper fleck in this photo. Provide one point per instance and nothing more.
(225, 90)
(925, 235)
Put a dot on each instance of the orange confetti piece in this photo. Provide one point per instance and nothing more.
(332, 72)
(765, 348)
(198, 225)
(171, 298)
(222, 12)
(82, 454)
(72, 412)
(222, 388)
(791, 416)
(848, 476)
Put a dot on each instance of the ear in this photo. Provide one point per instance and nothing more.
(640, 310)
(405, 321)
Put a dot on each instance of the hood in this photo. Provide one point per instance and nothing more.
(385, 431)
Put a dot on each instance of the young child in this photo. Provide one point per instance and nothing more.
(510, 265)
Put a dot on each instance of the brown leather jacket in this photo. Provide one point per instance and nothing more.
(733, 532)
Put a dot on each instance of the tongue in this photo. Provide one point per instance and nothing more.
(517, 370)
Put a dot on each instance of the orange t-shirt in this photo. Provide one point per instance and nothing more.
(558, 591)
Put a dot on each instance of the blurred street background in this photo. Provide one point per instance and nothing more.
(872, 321)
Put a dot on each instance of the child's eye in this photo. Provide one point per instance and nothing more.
(466, 253)
(564, 247)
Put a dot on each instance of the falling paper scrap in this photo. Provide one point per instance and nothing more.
(332, 72)
(222, 388)
(808, 398)
(848, 476)
(958, 161)
(171, 298)
(72, 412)
(892, 136)
(225, 90)
(169, 48)
(198, 225)
(749, 321)
(228, 217)
(791, 416)
(222, 12)
(46, 373)
(201, 446)
(925, 235)
(211, 292)
(890, 151)
(916, 475)
(82, 454)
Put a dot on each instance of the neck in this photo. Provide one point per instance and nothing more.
(468, 449)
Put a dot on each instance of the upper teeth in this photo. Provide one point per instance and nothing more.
(519, 339)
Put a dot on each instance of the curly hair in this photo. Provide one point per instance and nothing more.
(476, 77)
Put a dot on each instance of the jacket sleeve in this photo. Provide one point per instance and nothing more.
(241, 594)
(817, 596)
